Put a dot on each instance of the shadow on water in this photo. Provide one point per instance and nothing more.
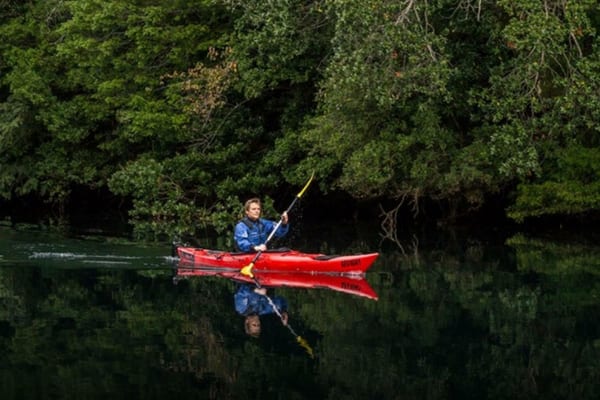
(457, 318)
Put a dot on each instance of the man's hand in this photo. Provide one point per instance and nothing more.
(284, 318)
(260, 247)
(261, 291)
(284, 218)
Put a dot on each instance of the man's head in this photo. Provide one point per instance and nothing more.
(252, 325)
(253, 208)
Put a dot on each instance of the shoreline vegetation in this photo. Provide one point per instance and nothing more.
(171, 114)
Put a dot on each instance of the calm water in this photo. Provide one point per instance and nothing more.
(90, 317)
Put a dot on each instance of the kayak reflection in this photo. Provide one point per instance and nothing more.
(252, 301)
(355, 285)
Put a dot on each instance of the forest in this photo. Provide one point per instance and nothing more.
(177, 111)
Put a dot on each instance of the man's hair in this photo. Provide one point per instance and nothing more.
(251, 201)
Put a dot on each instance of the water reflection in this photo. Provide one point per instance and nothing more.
(253, 302)
(488, 321)
(356, 285)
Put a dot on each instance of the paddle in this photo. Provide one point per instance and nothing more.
(247, 270)
(301, 341)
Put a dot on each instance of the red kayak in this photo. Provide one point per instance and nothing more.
(278, 261)
(349, 284)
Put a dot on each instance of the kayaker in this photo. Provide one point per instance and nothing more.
(250, 234)
(252, 302)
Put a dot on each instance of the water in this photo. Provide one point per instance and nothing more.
(457, 318)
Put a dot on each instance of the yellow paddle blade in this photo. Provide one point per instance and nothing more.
(306, 346)
(306, 186)
(247, 270)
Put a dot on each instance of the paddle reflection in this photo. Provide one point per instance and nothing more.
(254, 297)
(252, 302)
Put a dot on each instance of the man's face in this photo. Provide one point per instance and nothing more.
(253, 325)
(253, 212)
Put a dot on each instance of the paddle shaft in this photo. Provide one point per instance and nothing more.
(270, 236)
(249, 266)
(299, 339)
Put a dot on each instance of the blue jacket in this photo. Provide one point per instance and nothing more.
(248, 234)
(247, 302)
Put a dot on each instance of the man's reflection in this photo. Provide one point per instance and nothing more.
(253, 302)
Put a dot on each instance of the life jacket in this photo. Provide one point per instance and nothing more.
(257, 226)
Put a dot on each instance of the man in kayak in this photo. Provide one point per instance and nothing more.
(252, 302)
(250, 234)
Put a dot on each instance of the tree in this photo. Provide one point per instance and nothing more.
(83, 91)
(188, 106)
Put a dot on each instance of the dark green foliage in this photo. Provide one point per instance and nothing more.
(573, 188)
(187, 107)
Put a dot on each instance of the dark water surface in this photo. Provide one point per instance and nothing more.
(90, 317)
